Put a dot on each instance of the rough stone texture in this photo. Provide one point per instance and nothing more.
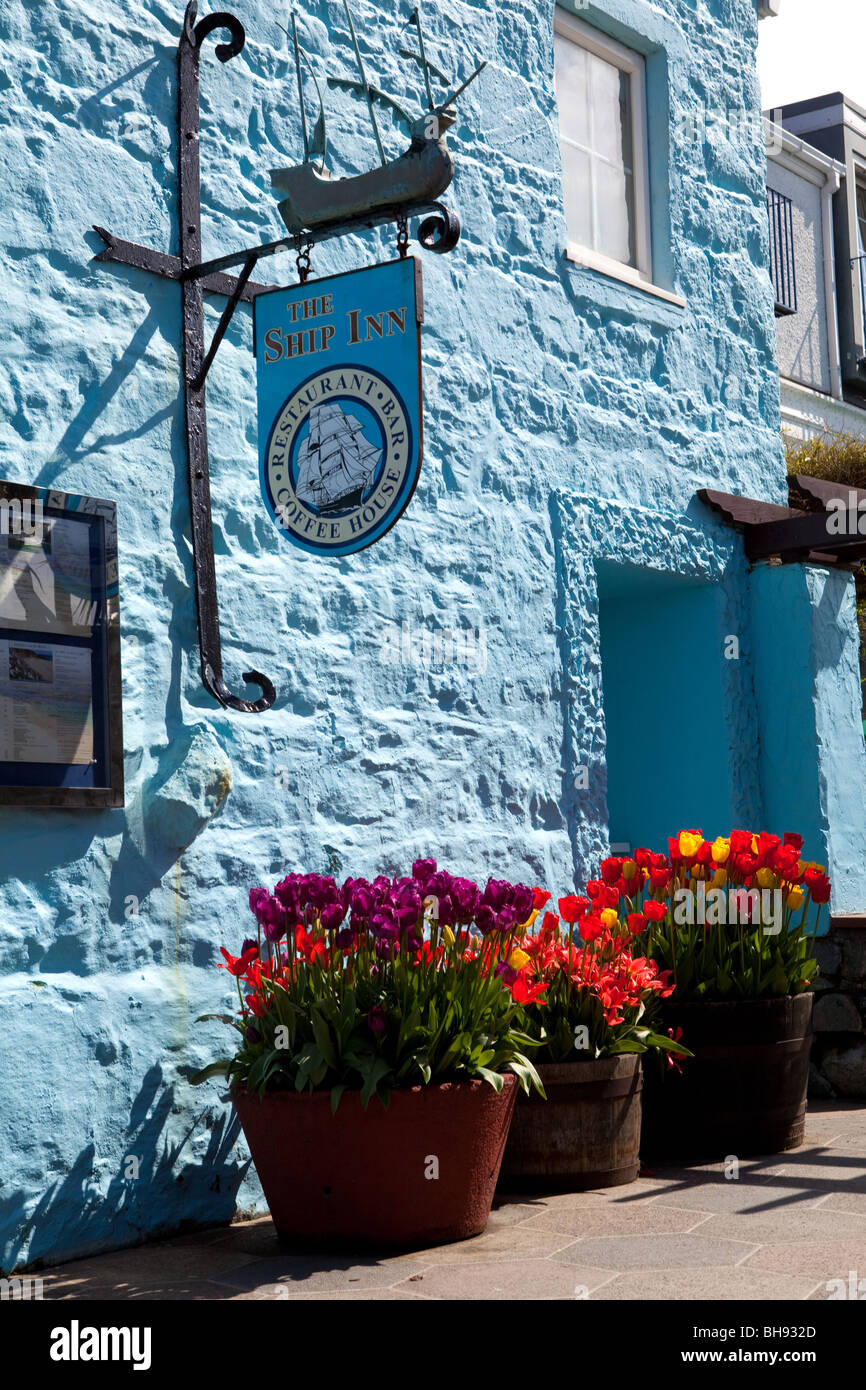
(545, 383)
(836, 1013)
(845, 1069)
(838, 1058)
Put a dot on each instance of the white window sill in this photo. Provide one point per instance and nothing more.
(625, 273)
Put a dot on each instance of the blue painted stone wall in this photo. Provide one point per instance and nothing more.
(569, 421)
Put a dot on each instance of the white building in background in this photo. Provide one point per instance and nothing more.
(816, 202)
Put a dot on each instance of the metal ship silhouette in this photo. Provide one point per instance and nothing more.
(336, 463)
(312, 198)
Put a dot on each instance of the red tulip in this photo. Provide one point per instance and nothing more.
(572, 908)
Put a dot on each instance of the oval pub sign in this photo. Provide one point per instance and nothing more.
(338, 365)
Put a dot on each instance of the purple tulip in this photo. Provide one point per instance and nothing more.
(332, 916)
(423, 869)
(485, 919)
(466, 896)
(497, 894)
(273, 920)
(447, 914)
(258, 898)
(522, 902)
(249, 945)
(377, 1020)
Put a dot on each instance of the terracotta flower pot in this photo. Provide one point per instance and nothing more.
(744, 1092)
(422, 1172)
(585, 1134)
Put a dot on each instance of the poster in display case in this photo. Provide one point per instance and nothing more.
(61, 741)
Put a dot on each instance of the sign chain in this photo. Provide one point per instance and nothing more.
(303, 259)
(402, 237)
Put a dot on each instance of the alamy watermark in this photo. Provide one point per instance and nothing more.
(438, 647)
(22, 519)
(716, 907)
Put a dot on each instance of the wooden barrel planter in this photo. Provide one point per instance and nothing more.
(422, 1172)
(586, 1134)
(744, 1092)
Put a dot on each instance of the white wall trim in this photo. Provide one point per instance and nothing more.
(807, 413)
(616, 270)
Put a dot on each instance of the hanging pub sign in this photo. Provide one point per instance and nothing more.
(338, 364)
(339, 380)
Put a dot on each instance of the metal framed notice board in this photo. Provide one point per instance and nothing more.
(61, 738)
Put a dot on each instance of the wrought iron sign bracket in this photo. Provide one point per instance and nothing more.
(439, 232)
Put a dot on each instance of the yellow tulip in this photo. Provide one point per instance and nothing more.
(794, 899)
(720, 850)
(767, 879)
(448, 936)
(609, 918)
(518, 959)
(696, 870)
(530, 919)
(720, 878)
(689, 844)
(629, 869)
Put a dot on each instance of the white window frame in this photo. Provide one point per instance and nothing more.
(859, 178)
(634, 65)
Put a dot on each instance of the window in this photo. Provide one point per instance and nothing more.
(782, 269)
(600, 90)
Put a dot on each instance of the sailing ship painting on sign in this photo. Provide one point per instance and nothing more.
(313, 199)
(336, 463)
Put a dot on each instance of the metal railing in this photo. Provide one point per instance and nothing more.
(782, 269)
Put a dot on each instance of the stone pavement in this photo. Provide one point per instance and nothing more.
(786, 1227)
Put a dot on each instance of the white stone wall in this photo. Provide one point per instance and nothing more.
(803, 348)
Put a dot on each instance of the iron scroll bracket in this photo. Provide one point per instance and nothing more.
(439, 232)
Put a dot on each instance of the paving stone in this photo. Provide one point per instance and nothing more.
(847, 1114)
(511, 1213)
(820, 1223)
(512, 1280)
(130, 1291)
(258, 1238)
(627, 1195)
(505, 1243)
(645, 1219)
(146, 1264)
(315, 1273)
(742, 1195)
(655, 1252)
(828, 1259)
(720, 1284)
(846, 1201)
(346, 1296)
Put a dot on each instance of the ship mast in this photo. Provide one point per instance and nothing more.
(365, 84)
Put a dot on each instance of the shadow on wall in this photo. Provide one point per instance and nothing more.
(81, 1216)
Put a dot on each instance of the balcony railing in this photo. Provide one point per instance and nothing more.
(782, 269)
